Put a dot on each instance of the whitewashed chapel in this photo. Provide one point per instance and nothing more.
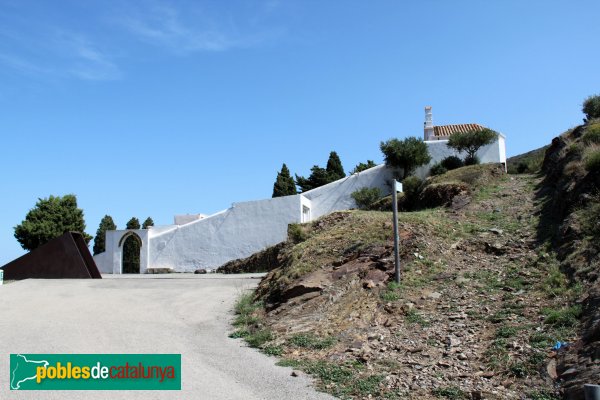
(200, 241)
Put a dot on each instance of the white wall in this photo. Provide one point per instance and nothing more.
(252, 226)
(336, 196)
(110, 261)
(104, 262)
(187, 218)
(248, 227)
(235, 233)
(438, 150)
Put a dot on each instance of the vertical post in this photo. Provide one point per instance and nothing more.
(592, 392)
(396, 235)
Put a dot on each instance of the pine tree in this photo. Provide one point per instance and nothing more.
(133, 223)
(318, 177)
(284, 184)
(147, 223)
(363, 167)
(106, 224)
(49, 219)
(334, 167)
(471, 142)
(407, 154)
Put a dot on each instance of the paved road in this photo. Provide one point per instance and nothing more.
(184, 314)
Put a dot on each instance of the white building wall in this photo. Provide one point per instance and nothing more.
(235, 233)
(438, 150)
(336, 196)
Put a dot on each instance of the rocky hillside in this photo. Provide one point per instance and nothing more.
(529, 162)
(481, 304)
(570, 207)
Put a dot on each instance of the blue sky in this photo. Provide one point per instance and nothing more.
(155, 108)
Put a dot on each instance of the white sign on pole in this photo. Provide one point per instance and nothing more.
(399, 187)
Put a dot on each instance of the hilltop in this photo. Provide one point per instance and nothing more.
(503, 269)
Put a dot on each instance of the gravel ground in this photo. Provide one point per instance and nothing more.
(176, 313)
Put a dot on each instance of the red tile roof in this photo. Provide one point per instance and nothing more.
(447, 130)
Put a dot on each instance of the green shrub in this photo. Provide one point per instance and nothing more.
(296, 233)
(566, 317)
(329, 372)
(591, 107)
(540, 340)
(575, 149)
(392, 292)
(309, 341)
(472, 160)
(244, 309)
(519, 369)
(240, 333)
(452, 162)
(412, 186)
(413, 317)
(592, 162)
(451, 392)
(506, 331)
(542, 395)
(438, 169)
(248, 322)
(258, 338)
(273, 350)
(592, 134)
(591, 219)
(366, 197)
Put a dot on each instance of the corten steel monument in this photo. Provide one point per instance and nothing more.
(65, 257)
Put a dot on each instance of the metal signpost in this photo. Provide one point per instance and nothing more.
(397, 187)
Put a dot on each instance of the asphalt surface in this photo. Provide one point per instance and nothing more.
(186, 314)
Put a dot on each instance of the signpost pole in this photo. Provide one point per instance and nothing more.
(396, 235)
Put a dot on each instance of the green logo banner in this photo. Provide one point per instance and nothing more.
(95, 372)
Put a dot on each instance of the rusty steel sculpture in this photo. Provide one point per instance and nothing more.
(65, 257)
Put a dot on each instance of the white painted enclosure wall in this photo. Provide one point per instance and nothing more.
(337, 195)
(237, 232)
(248, 227)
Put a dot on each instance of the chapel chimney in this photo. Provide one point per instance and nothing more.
(428, 124)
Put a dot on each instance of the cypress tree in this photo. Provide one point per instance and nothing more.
(147, 223)
(318, 177)
(284, 184)
(133, 223)
(322, 176)
(106, 224)
(334, 167)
